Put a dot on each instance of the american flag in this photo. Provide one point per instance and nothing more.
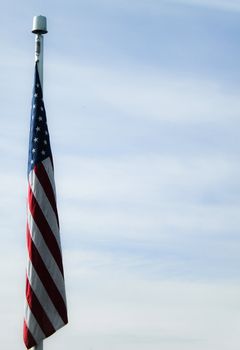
(45, 306)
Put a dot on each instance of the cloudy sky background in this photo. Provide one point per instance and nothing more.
(142, 99)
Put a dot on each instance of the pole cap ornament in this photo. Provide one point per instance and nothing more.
(39, 25)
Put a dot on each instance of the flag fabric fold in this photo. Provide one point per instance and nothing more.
(45, 304)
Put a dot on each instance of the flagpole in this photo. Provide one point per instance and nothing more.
(39, 28)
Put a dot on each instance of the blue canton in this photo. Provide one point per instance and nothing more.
(39, 143)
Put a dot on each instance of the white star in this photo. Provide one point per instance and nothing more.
(36, 139)
(31, 161)
(46, 132)
(40, 118)
(34, 106)
(35, 95)
(37, 85)
(38, 129)
(45, 142)
(33, 150)
(43, 152)
(41, 108)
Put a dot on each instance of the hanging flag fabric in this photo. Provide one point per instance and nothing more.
(45, 308)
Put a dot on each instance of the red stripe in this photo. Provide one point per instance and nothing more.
(46, 278)
(43, 178)
(38, 311)
(28, 337)
(45, 229)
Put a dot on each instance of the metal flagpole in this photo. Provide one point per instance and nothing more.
(39, 28)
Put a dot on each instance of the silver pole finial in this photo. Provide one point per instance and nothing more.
(39, 25)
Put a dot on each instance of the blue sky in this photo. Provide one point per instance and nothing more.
(142, 101)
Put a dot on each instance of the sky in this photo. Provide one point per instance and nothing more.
(142, 100)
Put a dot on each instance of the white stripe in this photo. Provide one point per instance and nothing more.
(44, 204)
(49, 169)
(43, 297)
(46, 255)
(33, 325)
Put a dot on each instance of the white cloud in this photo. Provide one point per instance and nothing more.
(149, 197)
(131, 177)
(144, 93)
(146, 314)
(226, 5)
(154, 7)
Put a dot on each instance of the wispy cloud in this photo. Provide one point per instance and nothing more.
(156, 7)
(226, 5)
(155, 214)
(144, 93)
(167, 309)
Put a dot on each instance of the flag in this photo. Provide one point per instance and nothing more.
(45, 304)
